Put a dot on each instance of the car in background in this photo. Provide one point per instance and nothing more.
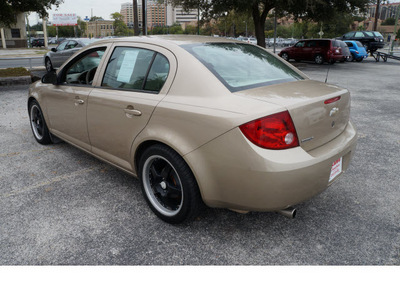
(357, 50)
(38, 42)
(261, 136)
(317, 50)
(372, 40)
(345, 52)
(57, 56)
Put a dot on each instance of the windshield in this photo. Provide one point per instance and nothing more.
(242, 66)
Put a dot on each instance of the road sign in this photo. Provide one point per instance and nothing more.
(86, 19)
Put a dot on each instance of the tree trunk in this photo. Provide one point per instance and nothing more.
(135, 18)
(259, 21)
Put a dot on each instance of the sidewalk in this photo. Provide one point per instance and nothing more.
(23, 52)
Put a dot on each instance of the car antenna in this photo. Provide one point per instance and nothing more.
(326, 78)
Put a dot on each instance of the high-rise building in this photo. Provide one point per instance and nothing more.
(158, 14)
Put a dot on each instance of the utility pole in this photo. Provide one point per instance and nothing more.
(135, 18)
(378, 2)
(144, 24)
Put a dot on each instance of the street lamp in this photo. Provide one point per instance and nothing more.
(246, 27)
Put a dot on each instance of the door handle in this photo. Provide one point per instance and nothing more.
(130, 112)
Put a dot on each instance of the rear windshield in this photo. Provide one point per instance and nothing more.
(359, 44)
(242, 66)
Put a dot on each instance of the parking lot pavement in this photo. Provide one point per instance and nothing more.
(60, 206)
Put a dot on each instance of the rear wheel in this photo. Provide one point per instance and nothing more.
(319, 59)
(359, 59)
(169, 185)
(38, 124)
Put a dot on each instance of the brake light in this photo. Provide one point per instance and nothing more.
(357, 52)
(274, 132)
(332, 100)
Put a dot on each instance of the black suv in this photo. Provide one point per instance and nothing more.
(37, 42)
(371, 40)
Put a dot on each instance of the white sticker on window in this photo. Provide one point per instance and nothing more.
(128, 63)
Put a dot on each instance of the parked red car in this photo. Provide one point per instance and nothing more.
(318, 50)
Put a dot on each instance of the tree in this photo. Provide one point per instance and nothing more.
(389, 21)
(95, 18)
(315, 10)
(119, 25)
(10, 8)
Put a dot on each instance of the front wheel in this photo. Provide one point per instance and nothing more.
(285, 56)
(38, 124)
(49, 65)
(168, 185)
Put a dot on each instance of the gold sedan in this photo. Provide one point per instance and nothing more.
(199, 120)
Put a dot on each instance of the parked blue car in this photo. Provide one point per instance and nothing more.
(357, 50)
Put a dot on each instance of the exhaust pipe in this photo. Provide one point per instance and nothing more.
(288, 212)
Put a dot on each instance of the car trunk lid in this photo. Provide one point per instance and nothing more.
(320, 111)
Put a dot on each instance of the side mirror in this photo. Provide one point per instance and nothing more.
(50, 77)
(53, 50)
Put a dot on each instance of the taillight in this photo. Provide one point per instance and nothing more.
(274, 132)
(332, 100)
(357, 52)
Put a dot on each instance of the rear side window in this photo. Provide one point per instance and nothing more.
(242, 66)
(349, 44)
(359, 34)
(323, 43)
(136, 69)
(349, 35)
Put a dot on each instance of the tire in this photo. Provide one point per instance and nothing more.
(48, 65)
(285, 56)
(319, 60)
(359, 59)
(168, 185)
(38, 124)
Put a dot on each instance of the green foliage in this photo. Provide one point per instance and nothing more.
(10, 8)
(389, 21)
(120, 28)
(95, 18)
(315, 10)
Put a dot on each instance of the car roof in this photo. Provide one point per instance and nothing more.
(164, 40)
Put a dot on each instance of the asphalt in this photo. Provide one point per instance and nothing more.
(60, 206)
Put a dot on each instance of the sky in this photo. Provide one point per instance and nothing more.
(101, 8)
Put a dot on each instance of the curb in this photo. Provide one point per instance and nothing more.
(20, 80)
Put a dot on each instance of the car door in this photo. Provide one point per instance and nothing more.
(57, 56)
(67, 102)
(71, 48)
(298, 50)
(131, 84)
(308, 50)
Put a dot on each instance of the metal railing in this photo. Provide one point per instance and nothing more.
(23, 58)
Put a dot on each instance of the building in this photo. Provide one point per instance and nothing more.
(100, 28)
(158, 14)
(15, 36)
(386, 10)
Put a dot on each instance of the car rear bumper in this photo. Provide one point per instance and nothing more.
(233, 173)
